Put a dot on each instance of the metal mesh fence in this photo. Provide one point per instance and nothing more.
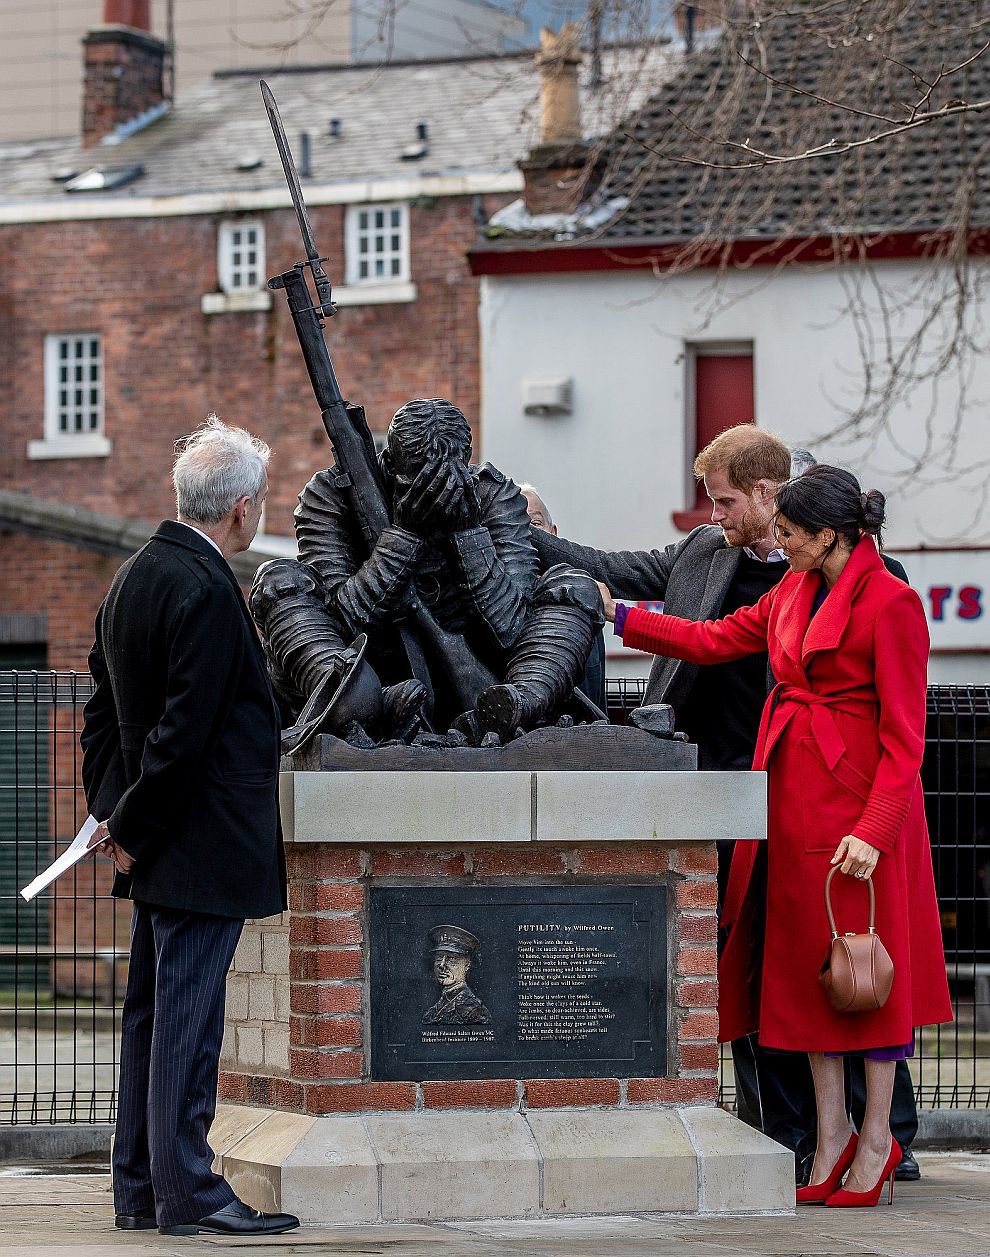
(951, 1068)
(63, 957)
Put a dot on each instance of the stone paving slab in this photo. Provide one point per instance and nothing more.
(945, 1215)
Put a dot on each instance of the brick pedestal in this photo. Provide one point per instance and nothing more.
(296, 1053)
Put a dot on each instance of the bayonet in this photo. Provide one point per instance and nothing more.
(354, 450)
(314, 261)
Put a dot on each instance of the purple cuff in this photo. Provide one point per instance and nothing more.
(621, 611)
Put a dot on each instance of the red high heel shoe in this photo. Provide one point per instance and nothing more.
(851, 1200)
(818, 1193)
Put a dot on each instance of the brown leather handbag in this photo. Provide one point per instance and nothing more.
(858, 972)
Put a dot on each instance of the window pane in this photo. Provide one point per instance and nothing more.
(237, 279)
(94, 420)
(396, 217)
(396, 265)
(78, 348)
(78, 374)
(94, 371)
(363, 220)
(363, 269)
(396, 244)
(379, 266)
(379, 218)
(63, 422)
(63, 349)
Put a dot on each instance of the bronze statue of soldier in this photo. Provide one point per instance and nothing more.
(461, 533)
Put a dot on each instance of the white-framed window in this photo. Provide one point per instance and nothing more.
(377, 244)
(73, 384)
(74, 398)
(241, 255)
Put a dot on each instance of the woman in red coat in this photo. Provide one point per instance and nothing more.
(842, 740)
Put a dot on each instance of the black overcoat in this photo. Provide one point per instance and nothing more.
(181, 739)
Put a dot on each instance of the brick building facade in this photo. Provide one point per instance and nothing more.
(133, 265)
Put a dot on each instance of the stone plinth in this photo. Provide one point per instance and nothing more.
(309, 1123)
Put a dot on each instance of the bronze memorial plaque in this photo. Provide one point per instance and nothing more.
(518, 981)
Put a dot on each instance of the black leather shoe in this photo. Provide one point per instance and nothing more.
(236, 1219)
(135, 1221)
(909, 1171)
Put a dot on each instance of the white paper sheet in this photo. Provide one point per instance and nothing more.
(75, 852)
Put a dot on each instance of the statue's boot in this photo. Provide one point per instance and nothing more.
(545, 664)
(348, 691)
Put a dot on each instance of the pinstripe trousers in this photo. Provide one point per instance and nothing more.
(171, 1031)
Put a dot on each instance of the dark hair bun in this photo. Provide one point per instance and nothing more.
(872, 507)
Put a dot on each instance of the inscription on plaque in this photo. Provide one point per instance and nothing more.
(518, 981)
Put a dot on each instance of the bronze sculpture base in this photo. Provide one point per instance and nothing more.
(604, 748)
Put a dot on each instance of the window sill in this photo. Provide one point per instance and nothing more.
(236, 302)
(81, 445)
(375, 294)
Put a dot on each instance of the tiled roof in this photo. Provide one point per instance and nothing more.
(913, 182)
(481, 114)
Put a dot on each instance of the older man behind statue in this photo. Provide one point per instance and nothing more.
(461, 533)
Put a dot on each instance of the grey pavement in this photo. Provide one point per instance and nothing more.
(945, 1214)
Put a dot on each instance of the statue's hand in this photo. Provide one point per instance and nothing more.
(414, 508)
(466, 504)
(443, 498)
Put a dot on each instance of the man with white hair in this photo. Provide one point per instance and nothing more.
(592, 680)
(180, 764)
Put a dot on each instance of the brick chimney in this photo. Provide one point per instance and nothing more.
(123, 69)
(556, 172)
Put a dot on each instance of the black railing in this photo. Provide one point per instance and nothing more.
(63, 956)
(952, 1067)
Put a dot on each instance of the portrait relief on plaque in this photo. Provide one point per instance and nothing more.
(454, 949)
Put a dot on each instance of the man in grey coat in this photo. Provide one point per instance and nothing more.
(716, 569)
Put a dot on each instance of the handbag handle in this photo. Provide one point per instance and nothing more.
(828, 902)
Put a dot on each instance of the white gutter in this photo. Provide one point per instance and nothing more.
(359, 192)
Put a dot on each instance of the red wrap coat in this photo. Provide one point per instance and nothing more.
(841, 739)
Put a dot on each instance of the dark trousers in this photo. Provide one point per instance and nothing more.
(171, 1031)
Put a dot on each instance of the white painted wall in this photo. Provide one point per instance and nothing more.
(614, 470)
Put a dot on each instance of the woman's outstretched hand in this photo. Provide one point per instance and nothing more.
(608, 602)
(857, 857)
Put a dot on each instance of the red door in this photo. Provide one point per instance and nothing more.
(723, 392)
